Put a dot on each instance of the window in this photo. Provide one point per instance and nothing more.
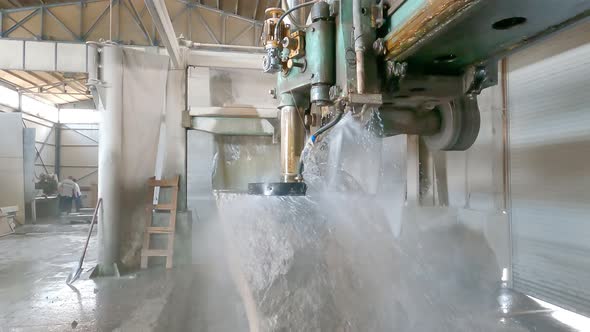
(8, 97)
(78, 116)
(38, 108)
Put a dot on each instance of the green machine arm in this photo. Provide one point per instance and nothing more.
(419, 62)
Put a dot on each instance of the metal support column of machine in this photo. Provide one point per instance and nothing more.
(292, 141)
(305, 59)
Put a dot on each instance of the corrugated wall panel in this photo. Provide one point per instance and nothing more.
(549, 109)
(79, 156)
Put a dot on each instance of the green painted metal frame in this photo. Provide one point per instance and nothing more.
(470, 37)
(465, 32)
(319, 68)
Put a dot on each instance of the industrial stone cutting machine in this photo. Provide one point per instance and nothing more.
(420, 63)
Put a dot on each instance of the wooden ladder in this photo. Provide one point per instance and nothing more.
(170, 208)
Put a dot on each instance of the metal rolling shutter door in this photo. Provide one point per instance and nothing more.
(549, 142)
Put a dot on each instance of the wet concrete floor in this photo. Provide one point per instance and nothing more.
(35, 261)
(34, 264)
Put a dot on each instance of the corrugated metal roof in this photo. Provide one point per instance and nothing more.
(50, 87)
(251, 9)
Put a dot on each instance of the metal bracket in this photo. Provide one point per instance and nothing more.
(377, 18)
(186, 119)
(480, 76)
(366, 98)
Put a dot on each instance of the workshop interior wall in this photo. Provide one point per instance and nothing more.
(11, 163)
(475, 179)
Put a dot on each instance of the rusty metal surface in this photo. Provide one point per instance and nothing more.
(431, 17)
(470, 36)
(394, 5)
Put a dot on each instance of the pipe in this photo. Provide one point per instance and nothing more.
(193, 45)
(325, 128)
(109, 160)
(292, 141)
(313, 138)
(359, 48)
(289, 11)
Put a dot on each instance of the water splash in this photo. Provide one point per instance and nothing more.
(339, 259)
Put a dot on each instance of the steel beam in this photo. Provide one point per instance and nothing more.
(207, 27)
(57, 159)
(58, 94)
(46, 86)
(223, 29)
(87, 104)
(15, 3)
(23, 27)
(220, 12)
(189, 27)
(81, 19)
(135, 15)
(37, 150)
(36, 76)
(61, 24)
(159, 13)
(79, 166)
(243, 32)
(255, 9)
(51, 5)
(73, 80)
(98, 19)
(81, 134)
(22, 21)
(178, 14)
(87, 175)
(44, 143)
(42, 24)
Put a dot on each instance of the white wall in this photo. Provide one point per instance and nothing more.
(475, 179)
(44, 132)
(230, 87)
(240, 158)
(549, 107)
(11, 163)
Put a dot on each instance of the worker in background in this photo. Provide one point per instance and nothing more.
(77, 195)
(66, 190)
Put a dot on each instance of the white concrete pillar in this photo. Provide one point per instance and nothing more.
(109, 160)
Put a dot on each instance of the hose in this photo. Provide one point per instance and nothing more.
(329, 125)
(293, 21)
(313, 138)
(290, 10)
